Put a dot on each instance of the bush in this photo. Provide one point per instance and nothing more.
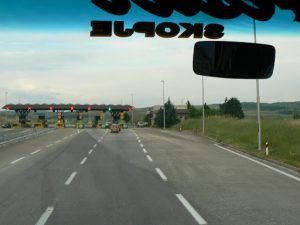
(232, 108)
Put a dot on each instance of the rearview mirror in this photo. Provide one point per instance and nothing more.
(234, 60)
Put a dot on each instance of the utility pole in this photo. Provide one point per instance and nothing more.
(257, 96)
(6, 93)
(203, 110)
(132, 110)
(163, 82)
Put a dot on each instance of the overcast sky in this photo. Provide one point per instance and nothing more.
(48, 57)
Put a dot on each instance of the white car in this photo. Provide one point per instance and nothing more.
(142, 124)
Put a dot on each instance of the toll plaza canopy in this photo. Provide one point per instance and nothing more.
(62, 107)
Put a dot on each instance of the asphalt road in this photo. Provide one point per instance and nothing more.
(140, 176)
(11, 133)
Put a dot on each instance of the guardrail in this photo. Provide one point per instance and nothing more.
(35, 133)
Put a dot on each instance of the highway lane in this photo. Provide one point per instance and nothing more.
(90, 178)
(30, 147)
(10, 133)
(13, 131)
(140, 176)
(117, 185)
(226, 188)
(38, 178)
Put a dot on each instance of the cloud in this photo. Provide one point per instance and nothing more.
(23, 85)
(72, 67)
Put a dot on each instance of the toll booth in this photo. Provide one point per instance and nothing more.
(96, 121)
(99, 120)
(22, 115)
(121, 119)
(60, 123)
(80, 124)
(41, 122)
(23, 110)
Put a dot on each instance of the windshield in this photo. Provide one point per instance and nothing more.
(104, 121)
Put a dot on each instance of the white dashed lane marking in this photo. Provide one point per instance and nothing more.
(191, 210)
(70, 179)
(17, 160)
(161, 174)
(37, 151)
(45, 216)
(83, 161)
(149, 158)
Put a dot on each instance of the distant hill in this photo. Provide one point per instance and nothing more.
(268, 110)
(278, 109)
(281, 107)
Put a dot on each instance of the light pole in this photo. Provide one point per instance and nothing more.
(132, 110)
(6, 93)
(257, 97)
(163, 82)
(203, 110)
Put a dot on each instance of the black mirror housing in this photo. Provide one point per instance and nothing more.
(237, 60)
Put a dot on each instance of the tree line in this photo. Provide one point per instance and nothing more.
(230, 108)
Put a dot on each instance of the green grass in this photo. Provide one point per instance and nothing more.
(283, 135)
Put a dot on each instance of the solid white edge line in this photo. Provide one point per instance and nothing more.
(95, 145)
(71, 177)
(145, 151)
(45, 216)
(191, 209)
(149, 158)
(91, 151)
(83, 160)
(17, 160)
(32, 153)
(161, 174)
(260, 163)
